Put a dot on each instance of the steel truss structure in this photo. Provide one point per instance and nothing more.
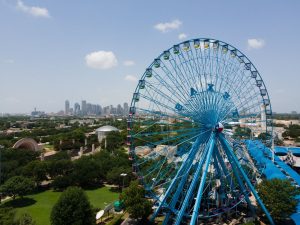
(188, 114)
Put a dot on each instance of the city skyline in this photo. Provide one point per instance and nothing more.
(87, 108)
(52, 54)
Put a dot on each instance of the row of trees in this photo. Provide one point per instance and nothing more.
(85, 172)
(293, 131)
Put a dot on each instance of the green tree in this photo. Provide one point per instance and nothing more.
(242, 132)
(13, 160)
(17, 185)
(114, 177)
(264, 136)
(279, 197)
(60, 156)
(37, 170)
(292, 131)
(135, 202)
(61, 183)
(25, 219)
(59, 167)
(72, 208)
(86, 172)
(114, 140)
(7, 216)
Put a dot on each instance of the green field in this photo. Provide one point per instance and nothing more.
(39, 205)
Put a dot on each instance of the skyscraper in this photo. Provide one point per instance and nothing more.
(76, 109)
(125, 108)
(67, 107)
(119, 110)
(83, 107)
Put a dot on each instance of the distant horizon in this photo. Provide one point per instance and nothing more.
(62, 108)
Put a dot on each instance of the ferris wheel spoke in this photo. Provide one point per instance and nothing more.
(144, 134)
(173, 105)
(165, 115)
(180, 71)
(163, 98)
(219, 64)
(193, 134)
(165, 95)
(194, 66)
(158, 104)
(187, 67)
(169, 98)
(168, 172)
(174, 90)
(178, 80)
(182, 81)
(189, 136)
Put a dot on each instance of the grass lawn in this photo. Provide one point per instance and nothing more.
(39, 205)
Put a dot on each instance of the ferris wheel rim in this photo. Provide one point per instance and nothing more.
(246, 60)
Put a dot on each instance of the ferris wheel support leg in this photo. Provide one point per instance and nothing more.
(216, 166)
(223, 179)
(223, 166)
(175, 198)
(202, 183)
(235, 160)
(206, 158)
(239, 180)
(177, 194)
(182, 168)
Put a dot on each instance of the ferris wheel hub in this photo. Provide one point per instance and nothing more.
(219, 127)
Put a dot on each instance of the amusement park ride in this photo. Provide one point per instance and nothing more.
(183, 134)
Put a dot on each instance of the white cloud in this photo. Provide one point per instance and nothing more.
(8, 61)
(131, 78)
(168, 26)
(101, 60)
(256, 43)
(33, 10)
(128, 63)
(182, 36)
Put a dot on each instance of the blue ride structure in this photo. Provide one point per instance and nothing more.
(189, 113)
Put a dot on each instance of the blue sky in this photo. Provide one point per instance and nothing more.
(46, 47)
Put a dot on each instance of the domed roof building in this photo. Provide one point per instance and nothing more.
(106, 128)
(101, 132)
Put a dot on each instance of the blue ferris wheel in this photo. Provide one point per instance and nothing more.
(190, 112)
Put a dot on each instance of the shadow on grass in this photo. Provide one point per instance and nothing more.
(20, 202)
(39, 190)
(115, 189)
(91, 187)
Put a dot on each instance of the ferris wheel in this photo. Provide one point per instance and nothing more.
(190, 112)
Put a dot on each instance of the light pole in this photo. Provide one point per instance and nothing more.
(123, 175)
(1, 147)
